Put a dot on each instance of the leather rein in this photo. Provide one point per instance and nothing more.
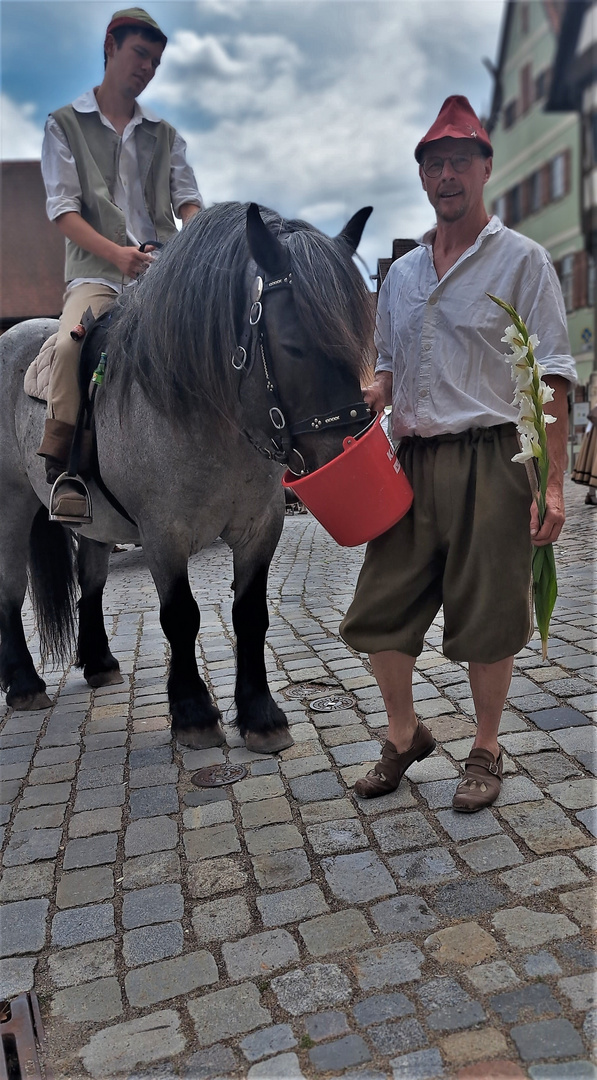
(253, 341)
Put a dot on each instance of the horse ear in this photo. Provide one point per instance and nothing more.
(353, 230)
(269, 254)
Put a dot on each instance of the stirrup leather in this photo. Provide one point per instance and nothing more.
(80, 488)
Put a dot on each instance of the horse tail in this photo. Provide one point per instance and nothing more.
(52, 586)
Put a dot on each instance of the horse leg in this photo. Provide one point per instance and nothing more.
(25, 690)
(261, 722)
(100, 668)
(195, 720)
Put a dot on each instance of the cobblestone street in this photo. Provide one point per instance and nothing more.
(278, 927)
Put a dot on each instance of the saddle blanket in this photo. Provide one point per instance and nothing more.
(37, 376)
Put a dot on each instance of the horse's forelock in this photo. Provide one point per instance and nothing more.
(175, 332)
(333, 303)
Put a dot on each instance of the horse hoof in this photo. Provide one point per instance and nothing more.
(200, 738)
(31, 703)
(269, 742)
(105, 678)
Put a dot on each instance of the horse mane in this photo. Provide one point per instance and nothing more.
(174, 333)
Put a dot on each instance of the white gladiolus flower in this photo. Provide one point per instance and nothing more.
(530, 395)
(526, 448)
(546, 393)
(512, 335)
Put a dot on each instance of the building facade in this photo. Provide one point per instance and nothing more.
(32, 266)
(574, 87)
(536, 181)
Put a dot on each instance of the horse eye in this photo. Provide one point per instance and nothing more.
(294, 352)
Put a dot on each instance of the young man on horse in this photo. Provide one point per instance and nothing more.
(465, 543)
(114, 177)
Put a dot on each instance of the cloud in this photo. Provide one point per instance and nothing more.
(313, 107)
(20, 135)
(320, 115)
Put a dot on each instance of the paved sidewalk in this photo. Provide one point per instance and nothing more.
(279, 928)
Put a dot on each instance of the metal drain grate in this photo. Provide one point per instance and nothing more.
(217, 776)
(331, 702)
(21, 1032)
(308, 690)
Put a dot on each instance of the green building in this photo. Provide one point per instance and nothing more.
(535, 186)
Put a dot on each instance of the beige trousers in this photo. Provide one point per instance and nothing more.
(63, 392)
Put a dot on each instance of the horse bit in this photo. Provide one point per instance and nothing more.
(242, 360)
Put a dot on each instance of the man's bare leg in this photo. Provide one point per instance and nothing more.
(490, 684)
(394, 672)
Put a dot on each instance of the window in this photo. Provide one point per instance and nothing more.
(500, 207)
(558, 177)
(591, 281)
(509, 114)
(567, 281)
(534, 192)
(542, 84)
(515, 205)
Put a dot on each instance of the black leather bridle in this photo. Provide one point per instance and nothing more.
(253, 340)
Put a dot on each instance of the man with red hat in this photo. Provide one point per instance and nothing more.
(115, 176)
(466, 542)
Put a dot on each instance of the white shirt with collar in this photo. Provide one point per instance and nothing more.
(63, 189)
(441, 339)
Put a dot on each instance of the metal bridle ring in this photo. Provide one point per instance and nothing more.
(255, 313)
(239, 358)
(304, 469)
(282, 420)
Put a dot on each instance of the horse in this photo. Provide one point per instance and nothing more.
(240, 351)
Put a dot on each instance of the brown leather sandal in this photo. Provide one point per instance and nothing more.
(481, 783)
(389, 770)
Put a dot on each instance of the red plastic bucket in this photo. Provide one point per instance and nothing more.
(361, 493)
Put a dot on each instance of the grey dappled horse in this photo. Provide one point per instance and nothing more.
(239, 351)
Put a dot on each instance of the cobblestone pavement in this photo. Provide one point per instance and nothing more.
(278, 927)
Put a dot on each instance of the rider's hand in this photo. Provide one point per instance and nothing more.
(131, 262)
(379, 393)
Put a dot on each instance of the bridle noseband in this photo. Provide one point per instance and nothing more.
(280, 448)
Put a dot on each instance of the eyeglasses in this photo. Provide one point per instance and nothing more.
(460, 163)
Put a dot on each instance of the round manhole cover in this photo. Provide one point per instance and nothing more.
(331, 702)
(217, 775)
(305, 690)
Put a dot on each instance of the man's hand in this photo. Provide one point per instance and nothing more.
(130, 261)
(379, 393)
(553, 520)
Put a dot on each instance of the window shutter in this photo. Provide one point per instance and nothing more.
(545, 185)
(526, 88)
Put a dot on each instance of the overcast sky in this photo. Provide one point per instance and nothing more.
(312, 107)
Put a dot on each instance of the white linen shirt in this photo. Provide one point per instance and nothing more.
(441, 339)
(63, 189)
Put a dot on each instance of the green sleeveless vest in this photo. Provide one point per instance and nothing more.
(95, 150)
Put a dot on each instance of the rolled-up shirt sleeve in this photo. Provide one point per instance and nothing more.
(183, 186)
(59, 171)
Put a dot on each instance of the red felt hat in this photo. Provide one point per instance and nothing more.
(135, 17)
(456, 120)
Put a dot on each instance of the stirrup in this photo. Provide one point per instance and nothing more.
(80, 488)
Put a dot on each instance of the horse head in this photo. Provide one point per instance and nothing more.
(307, 338)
